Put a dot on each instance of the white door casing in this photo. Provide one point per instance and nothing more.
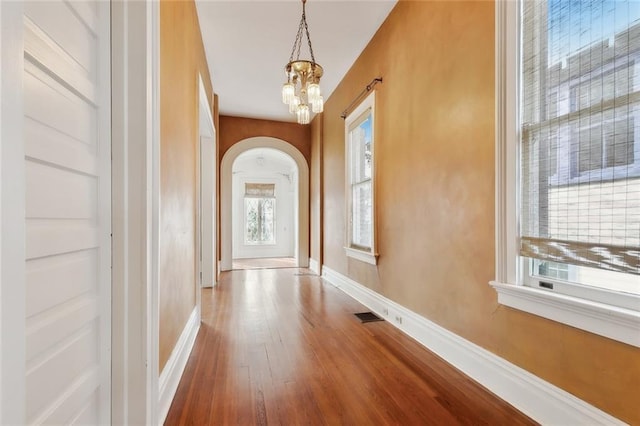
(198, 230)
(207, 216)
(302, 210)
(208, 161)
(67, 143)
(12, 226)
(136, 207)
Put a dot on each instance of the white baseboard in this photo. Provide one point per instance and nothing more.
(172, 372)
(538, 399)
(314, 266)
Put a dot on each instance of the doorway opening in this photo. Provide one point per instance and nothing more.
(264, 206)
(264, 193)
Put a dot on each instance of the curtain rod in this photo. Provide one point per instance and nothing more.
(361, 94)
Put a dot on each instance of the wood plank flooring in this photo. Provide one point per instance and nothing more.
(279, 348)
(264, 263)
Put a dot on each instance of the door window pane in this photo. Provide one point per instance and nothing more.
(259, 220)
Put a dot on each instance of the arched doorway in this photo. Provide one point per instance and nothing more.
(301, 238)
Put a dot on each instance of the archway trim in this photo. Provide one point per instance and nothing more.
(226, 173)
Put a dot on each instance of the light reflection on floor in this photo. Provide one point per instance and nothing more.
(264, 263)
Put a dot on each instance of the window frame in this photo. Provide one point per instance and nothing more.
(368, 255)
(576, 310)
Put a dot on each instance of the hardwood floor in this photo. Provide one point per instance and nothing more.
(284, 349)
(265, 263)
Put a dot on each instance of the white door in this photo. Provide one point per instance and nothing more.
(66, 84)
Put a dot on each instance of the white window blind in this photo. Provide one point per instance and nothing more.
(259, 190)
(580, 133)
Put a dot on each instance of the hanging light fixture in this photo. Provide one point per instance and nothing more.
(302, 89)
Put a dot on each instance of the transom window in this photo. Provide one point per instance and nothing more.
(259, 212)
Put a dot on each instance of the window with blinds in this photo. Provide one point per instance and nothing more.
(360, 173)
(359, 150)
(580, 141)
(259, 213)
(360, 147)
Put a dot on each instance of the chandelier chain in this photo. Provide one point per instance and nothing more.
(297, 44)
(306, 29)
(300, 38)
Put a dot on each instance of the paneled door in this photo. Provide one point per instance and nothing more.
(67, 141)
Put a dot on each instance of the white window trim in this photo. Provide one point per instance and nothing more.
(361, 255)
(371, 256)
(605, 320)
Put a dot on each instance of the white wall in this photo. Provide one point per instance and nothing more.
(275, 168)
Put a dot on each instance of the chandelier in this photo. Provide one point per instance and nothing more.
(302, 90)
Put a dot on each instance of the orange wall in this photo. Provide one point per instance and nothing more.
(181, 61)
(236, 129)
(435, 194)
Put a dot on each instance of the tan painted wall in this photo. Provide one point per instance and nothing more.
(181, 61)
(236, 129)
(315, 182)
(435, 194)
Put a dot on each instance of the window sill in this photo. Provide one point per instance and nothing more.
(363, 256)
(609, 321)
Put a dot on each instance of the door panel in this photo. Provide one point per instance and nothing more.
(67, 167)
(49, 103)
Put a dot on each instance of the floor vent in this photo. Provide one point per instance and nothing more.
(368, 317)
(305, 274)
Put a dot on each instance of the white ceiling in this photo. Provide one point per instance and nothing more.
(265, 160)
(248, 43)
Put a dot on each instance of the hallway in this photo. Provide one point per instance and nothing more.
(283, 347)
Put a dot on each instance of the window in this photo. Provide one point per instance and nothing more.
(259, 213)
(568, 162)
(602, 145)
(359, 140)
